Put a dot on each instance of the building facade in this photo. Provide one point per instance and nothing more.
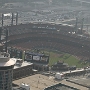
(22, 69)
(6, 71)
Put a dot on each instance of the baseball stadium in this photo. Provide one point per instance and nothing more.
(49, 40)
(51, 37)
(58, 40)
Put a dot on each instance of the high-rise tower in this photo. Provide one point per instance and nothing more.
(6, 71)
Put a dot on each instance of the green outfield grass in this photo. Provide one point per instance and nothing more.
(67, 58)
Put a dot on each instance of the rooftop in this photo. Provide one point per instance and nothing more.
(83, 80)
(40, 82)
(60, 87)
(20, 63)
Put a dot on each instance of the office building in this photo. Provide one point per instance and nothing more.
(6, 71)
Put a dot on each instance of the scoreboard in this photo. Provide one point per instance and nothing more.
(36, 57)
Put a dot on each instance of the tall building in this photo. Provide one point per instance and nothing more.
(6, 71)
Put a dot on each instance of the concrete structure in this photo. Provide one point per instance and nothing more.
(41, 67)
(26, 86)
(23, 86)
(60, 66)
(40, 82)
(22, 69)
(6, 71)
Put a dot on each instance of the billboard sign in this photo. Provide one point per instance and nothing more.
(37, 58)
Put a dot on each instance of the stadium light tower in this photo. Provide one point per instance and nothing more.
(16, 18)
(0, 33)
(2, 19)
(50, 2)
(12, 18)
(76, 24)
(82, 26)
(6, 38)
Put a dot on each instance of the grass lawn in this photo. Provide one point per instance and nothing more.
(67, 58)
